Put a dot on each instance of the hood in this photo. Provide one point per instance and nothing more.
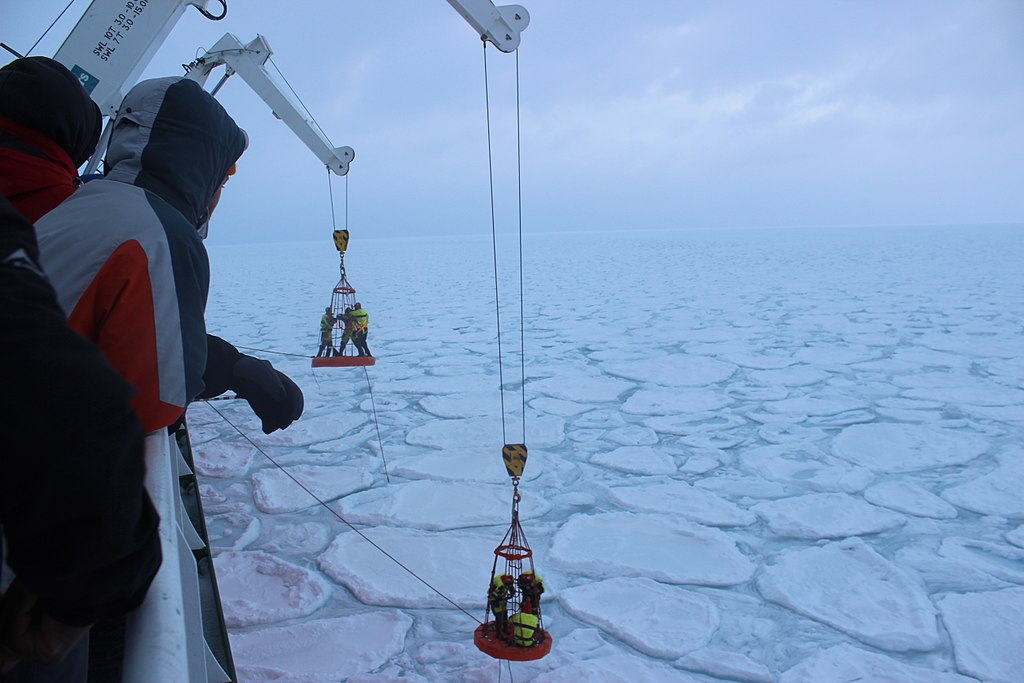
(42, 95)
(174, 139)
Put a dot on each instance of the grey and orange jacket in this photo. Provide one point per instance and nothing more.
(125, 254)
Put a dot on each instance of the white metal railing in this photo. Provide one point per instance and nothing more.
(164, 636)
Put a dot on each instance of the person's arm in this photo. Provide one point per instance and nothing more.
(273, 396)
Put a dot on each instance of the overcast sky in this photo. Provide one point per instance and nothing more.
(648, 115)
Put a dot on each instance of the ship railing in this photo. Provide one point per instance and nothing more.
(178, 633)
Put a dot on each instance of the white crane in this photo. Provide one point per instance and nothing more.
(115, 40)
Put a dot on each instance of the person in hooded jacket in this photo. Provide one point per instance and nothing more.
(127, 260)
(81, 532)
(48, 128)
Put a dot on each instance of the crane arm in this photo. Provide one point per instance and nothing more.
(115, 40)
(498, 25)
(249, 62)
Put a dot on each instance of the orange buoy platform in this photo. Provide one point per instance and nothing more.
(342, 361)
(501, 646)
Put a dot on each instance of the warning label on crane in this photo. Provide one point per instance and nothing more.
(514, 455)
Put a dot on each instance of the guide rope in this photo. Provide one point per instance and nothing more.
(376, 423)
(299, 99)
(494, 247)
(369, 387)
(280, 353)
(342, 519)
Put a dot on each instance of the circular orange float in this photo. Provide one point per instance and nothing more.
(490, 643)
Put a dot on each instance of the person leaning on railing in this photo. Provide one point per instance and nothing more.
(81, 532)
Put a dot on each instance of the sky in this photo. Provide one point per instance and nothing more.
(673, 114)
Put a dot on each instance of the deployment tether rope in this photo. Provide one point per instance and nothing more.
(369, 388)
(494, 249)
(339, 517)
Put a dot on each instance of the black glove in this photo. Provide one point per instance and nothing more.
(274, 397)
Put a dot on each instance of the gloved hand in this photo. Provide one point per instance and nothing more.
(274, 397)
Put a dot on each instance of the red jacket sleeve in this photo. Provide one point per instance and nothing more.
(116, 312)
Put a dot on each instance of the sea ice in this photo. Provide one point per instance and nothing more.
(984, 627)
(258, 588)
(480, 404)
(1016, 536)
(894, 447)
(659, 620)
(825, 515)
(672, 371)
(682, 400)
(945, 574)
(435, 505)
(815, 405)
(458, 565)
(995, 493)
(316, 429)
(615, 669)
(842, 663)
(582, 388)
(463, 464)
(546, 431)
(851, 587)
(804, 466)
(225, 458)
(794, 376)
(1001, 561)
(660, 547)
(679, 498)
(321, 651)
(910, 498)
(726, 665)
(275, 490)
(637, 460)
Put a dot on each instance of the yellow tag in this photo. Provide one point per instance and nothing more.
(341, 240)
(514, 455)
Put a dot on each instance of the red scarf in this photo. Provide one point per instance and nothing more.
(33, 184)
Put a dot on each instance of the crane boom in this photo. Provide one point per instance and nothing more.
(498, 25)
(249, 61)
(114, 41)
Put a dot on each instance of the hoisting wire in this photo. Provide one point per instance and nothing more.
(342, 519)
(494, 247)
(507, 663)
(494, 243)
(522, 313)
(49, 28)
(330, 191)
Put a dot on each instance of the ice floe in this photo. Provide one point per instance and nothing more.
(657, 546)
(895, 447)
(659, 620)
(984, 628)
(321, 650)
(825, 515)
(258, 588)
(850, 587)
